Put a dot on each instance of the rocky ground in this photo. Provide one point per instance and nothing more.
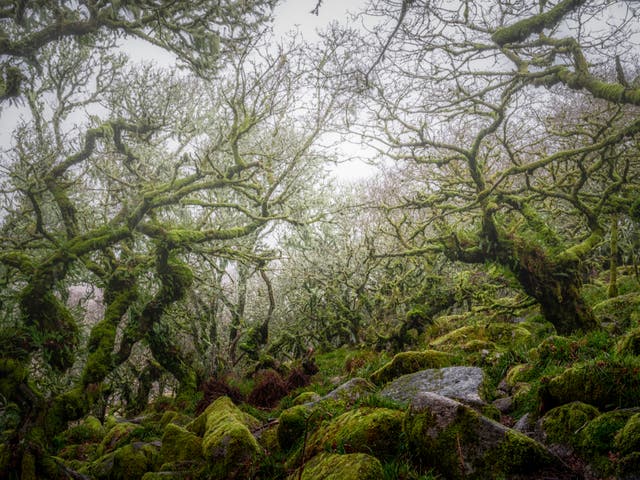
(485, 396)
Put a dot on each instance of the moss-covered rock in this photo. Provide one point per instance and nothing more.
(628, 439)
(598, 437)
(604, 384)
(227, 443)
(376, 431)
(174, 417)
(499, 333)
(331, 466)
(554, 349)
(410, 362)
(629, 344)
(619, 312)
(461, 383)
(199, 424)
(89, 430)
(306, 397)
(562, 425)
(350, 391)
(292, 426)
(130, 462)
(179, 445)
(460, 443)
(518, 374)
(117, 436)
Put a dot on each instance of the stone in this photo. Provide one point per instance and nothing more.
(524, 424)
(350, 391)
(410, 362)
(459, 443)
(460, 383)
(505, 404)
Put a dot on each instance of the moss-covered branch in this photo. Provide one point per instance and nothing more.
(523, 29)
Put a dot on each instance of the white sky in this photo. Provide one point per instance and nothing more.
(290, 15)
(295, 15)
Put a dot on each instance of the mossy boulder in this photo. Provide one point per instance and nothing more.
(628, 439)
(629, 344)
(177, 418)
(410, 362)
(461, 383)
(130, 462)
(563, 424)
(292, 426)
(118, 435)
(375, 431)
(606, 385)
(199, 424)
(227, 443)
(458, 442)
(332, 466)
(306, 397)
(89, 430)
(178, 445)
(499, 333)
(350, 391)
(598, 437)
(518, 374)
(620, 312)
(555, 349)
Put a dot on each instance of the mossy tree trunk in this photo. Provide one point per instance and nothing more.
(613, 259)
(553, 279)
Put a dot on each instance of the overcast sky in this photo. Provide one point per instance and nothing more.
(290, 15)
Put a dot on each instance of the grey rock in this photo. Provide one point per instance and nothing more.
(349, 391)
(461, 443)
(503, 404)
(524, 424)
(460, 383)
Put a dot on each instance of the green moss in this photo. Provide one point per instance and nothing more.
(70, 405)
(328, 466)
(306, 397)
(117, 436)
(12, 374)
(441, 439)
(292, 426)
(499, 333)
(518, 374)
(517, 453)
(375, 431)
(28, 467)
(179, 445)
(227, 443)
(562, 425)
(410, 362)
(597, 438)
(629, 344)
(628, 439)
(491, 411)
(618, 312)
(130, 462)
(89, 430)
(604, 384)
